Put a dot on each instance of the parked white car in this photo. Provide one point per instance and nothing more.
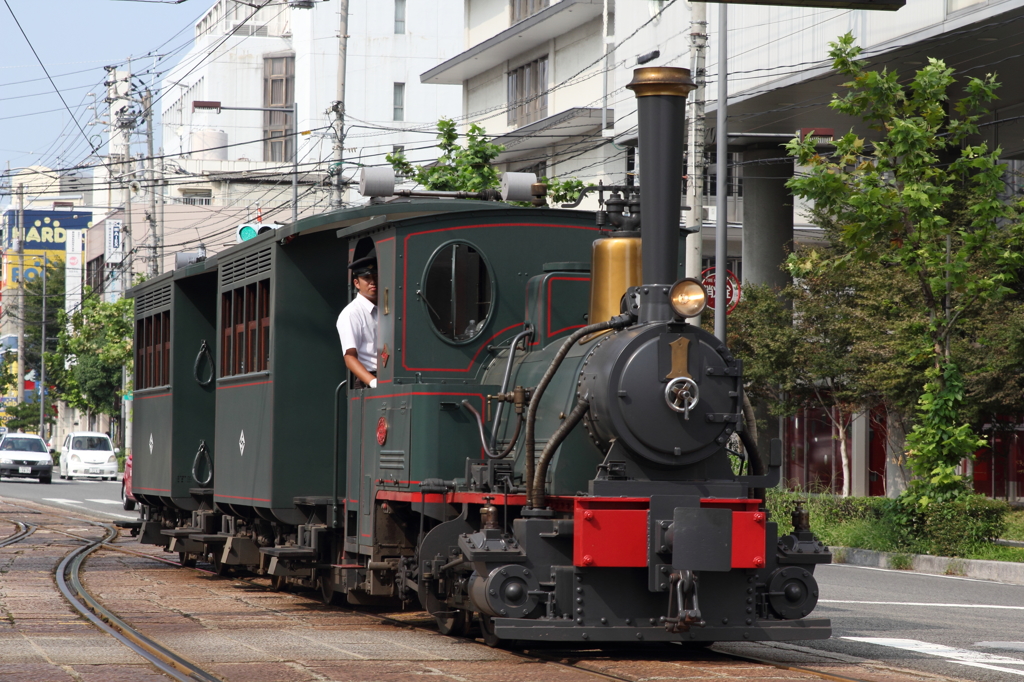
(88, 454)
(25, 456)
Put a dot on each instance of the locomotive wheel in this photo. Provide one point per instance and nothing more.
(453, 623)
(186, 560)
(487, 631)
(278, 583)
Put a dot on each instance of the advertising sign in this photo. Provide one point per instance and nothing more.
(114, 251)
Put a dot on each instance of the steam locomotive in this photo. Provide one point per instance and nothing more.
(546, 447)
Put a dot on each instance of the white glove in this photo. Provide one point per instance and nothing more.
(373, 383)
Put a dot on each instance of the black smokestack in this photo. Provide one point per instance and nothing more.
(661, 109)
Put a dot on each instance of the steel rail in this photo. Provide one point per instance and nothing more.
(24, 530)
(71, 587)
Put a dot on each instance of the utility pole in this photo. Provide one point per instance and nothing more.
(154, 261)
(42, 361)
(339, 111)
(20, 248)
(163, 201)
(695, 155)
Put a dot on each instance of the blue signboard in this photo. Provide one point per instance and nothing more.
(46, 230)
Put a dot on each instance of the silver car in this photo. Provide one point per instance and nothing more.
(25, 456)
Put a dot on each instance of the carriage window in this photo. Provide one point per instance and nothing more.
(245, 329)
(457, 292)
(153, 350)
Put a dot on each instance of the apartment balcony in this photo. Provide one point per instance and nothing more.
(551, 131)
(549, 23)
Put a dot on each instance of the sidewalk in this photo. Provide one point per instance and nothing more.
(1000, 571)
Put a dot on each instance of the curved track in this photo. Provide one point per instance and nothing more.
(70, 585)
(24, 530)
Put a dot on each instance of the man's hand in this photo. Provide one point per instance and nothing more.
(373, 384)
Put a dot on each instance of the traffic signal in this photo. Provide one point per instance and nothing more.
(247, 231)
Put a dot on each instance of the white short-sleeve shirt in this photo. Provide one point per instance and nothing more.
(357, 328)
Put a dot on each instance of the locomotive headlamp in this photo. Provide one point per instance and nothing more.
(688, 298)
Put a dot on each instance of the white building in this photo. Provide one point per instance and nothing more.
(237, 163)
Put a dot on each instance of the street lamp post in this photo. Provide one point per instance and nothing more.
(214, 105)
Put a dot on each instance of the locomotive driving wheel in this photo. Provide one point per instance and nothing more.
(454, 623)
(328, 595)
(487, 631)
(186, 560)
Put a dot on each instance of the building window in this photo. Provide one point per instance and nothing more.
(528, 93)
(399, 114)
(245, 329)
(278, 91)
(521, 9)
(153, 351)
(399, 16)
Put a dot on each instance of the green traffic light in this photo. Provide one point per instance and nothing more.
(247, 232)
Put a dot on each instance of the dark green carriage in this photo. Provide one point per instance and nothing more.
(173, 412)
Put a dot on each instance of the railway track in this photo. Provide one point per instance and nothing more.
(587, 662)
(69, 583)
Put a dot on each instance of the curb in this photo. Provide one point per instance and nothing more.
(999, 571)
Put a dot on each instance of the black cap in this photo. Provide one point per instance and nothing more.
(363, 266)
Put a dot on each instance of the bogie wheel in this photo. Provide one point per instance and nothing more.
(487, 630)
(453, 623)
(278, 583)
(328, 595)
(186, 560)
(219, 567)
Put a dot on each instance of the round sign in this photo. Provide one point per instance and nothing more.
(382, 431)
(732, 288)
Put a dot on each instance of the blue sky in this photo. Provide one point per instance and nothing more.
(75, 39)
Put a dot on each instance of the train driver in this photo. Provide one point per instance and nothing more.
(357, 324)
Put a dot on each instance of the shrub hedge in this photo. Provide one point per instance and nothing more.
(955, 529)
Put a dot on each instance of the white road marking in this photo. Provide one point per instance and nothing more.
(119, 502)
(61, 500)
(1012, 646)
(915, 573)
(921, 603)
(978, 659)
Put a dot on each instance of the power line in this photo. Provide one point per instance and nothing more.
(43, 66)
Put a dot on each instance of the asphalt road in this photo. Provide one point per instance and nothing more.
(98, 497)
(958, 627)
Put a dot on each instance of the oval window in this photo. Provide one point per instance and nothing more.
(457, 292)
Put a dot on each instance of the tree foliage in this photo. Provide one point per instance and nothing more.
(924, 200)
(467, 168)
(33, 310)
(96, 340)
(459, 168)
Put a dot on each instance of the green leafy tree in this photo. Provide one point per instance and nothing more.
(97, 341)
(25, 416)
(467, 168)
(33, 310)
(460, 168)
(924, 199)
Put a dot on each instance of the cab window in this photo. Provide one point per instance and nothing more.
(457, 292)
